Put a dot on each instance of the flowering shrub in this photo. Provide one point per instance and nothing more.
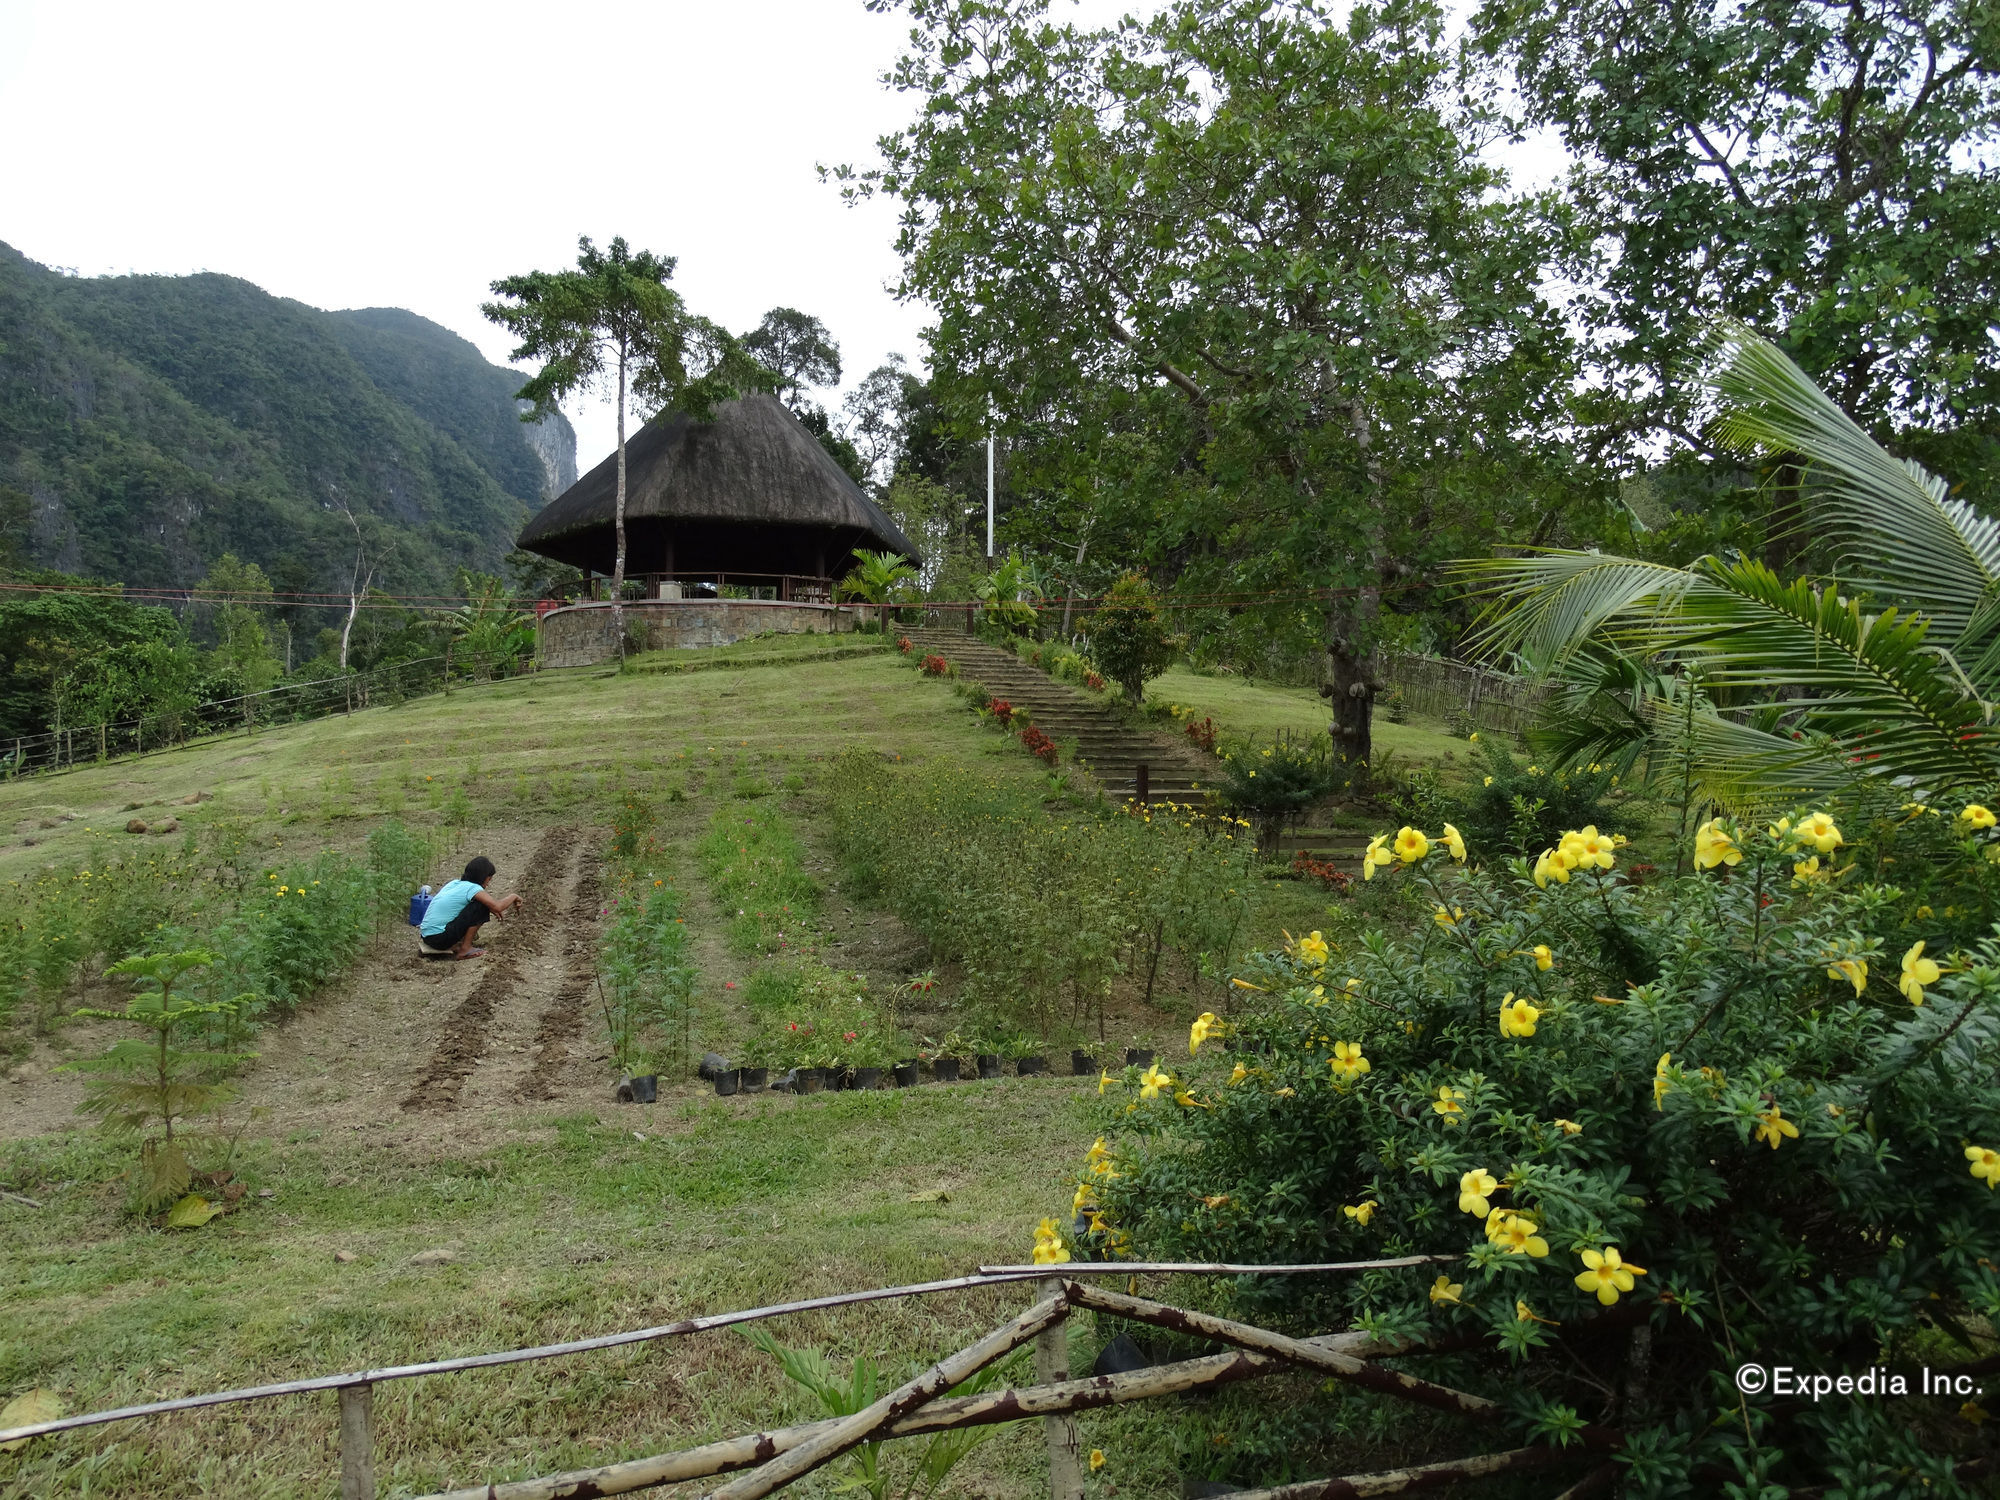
(935, 666)
(903, 644)
(1039, 744)
(1747, 1114)
(1202, 735)
(1001, 709)
(1323, 870)
(1094, 682)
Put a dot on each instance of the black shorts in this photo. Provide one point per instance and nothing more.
(475, 914)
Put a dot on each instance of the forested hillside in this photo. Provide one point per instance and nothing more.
(149, 424)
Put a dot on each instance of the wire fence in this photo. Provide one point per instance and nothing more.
(293, 702)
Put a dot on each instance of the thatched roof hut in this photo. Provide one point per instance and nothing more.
(749, 493)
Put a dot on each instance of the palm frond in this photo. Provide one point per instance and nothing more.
(1542, 608)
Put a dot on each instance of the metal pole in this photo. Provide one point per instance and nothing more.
(357, 1442)
(1051, 1366)
(989, 479)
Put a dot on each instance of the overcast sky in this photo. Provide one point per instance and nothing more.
(406, 154)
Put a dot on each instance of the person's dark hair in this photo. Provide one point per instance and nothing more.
(479, 870)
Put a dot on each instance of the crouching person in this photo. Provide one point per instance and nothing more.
(452, 921)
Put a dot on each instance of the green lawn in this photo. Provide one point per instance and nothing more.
(1258, 710)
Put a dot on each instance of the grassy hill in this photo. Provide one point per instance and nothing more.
(150, 423)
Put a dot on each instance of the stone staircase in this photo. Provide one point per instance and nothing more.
(1106, 746)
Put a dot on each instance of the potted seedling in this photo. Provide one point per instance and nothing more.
(868, 1054)
(758, 1054)
(1081, 1063)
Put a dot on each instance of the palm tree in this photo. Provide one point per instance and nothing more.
(1768, 689)
(1007, 590)
(876, 578)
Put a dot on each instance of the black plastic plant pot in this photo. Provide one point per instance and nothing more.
(728, 1081)
(1030, 1067)
(756, 1080)
(906, 1075)
(809, 1080)
(1082, 1064)
(1138, 1057)
(946, 1069)
(868, 1078)
(989, 1064)
(646, 1088)
(839, 1078)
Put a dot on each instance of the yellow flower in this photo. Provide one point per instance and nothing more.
(1347, 1062)
(1517, 1236)
(1312, 950)
(1526, 1314)
(1444, 1290)
(1188, 1101)
(1713, 846)
(1817, 829)
(1807, 870)
(1918, 971)
(1853, 970)
(1238, 1073)
(1591, 848)
(1455, 842)
(1153, 1081)
(1517, 1016)
(1985, 1165)
(1374, 857)
(1082, 1199)
(1104, 1081)
(1448, 919)
(1661, 1083)
(1205, 1026)
(1096, 1459)
(1924, 914)
(1411, 845)
(1049, 1248)
(1098, 1152)
(1487, 782)
(1570, 1127)
(1977, 817)
(1361, 1213)
(1545, 959)
(1475, 1188)
(1472, 738)
(1446, 1103)
(1774, 1127)
(1606, 1274)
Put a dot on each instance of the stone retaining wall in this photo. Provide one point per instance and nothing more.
(581, 635)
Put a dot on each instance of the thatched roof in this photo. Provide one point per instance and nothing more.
(754, 465)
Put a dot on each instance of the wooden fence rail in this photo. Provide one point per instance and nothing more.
(765, 1462)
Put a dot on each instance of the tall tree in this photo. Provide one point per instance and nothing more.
(1271, 229)
(797, 349)
(1824, 174)
(612, 322)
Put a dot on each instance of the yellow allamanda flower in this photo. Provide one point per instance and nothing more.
(1098, 1152)
(1590, 848)
(1713, 846)
(1475, 1191)
(1445, 1291)
(1205, 1026)
(1455, 842)
(1153, 1081)
(1188, 1101)
(1526, 1314)
(1975, 816)
(1853, 970)
(1411, 845)
(1448, 919)
(1517, 1016)
(1807, 871)
(1516, 1235)
(1607, 1274)
(1545, 958)
(1104, 1081)
(1361, 1213)
(1375, 856)
(1096, 1459)
(1347, 1062)
(1985, 1164)
(1918, 971)
(1569, 1127)
(1661, 1083)
(1049, 1249)
(1082, 1200)
(1775, 1128)
(1554, 864)
(1446, 1103)
(1313, 950)
(1238, 1073)
(1817, 829)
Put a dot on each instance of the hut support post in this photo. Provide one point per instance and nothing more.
(1051, 1367)
(357, 1442)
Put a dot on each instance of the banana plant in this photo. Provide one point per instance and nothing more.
(1768, 688)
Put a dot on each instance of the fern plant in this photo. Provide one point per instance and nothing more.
(150, 1082)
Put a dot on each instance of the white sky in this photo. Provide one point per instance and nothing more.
(370, 154)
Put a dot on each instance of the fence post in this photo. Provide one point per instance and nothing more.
(1142, 783)
(357, 1442)
(1052, 1365)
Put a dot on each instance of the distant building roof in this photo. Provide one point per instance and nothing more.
(754, 465)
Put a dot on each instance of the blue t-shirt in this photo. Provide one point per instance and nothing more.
(445, 905)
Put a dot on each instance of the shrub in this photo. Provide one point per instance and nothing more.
(936, 666)
(1130, 638)
(1761, 1085)
(1039, 745)
(1202, 735)
(903, 645)
(1512, 808)
(1272, 783)
(1334, 879)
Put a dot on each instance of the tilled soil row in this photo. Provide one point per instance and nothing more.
(468, 1030)
(559, 1022)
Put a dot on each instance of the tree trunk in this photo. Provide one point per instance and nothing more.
(1353, 661)
(618, 519)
